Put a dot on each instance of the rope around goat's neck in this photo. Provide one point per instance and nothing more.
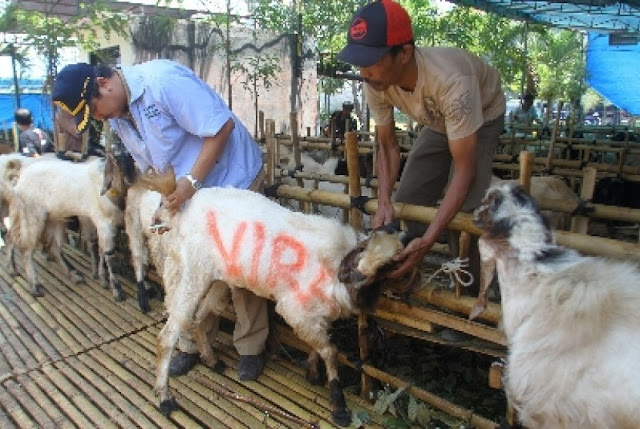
(455, 269)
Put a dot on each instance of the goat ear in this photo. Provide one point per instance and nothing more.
(348, 270)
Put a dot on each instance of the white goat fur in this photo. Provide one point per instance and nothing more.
(572, 321)
(244, 239)
(51, 190)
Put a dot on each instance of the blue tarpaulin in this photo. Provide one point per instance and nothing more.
(38, 104)
(612, 70)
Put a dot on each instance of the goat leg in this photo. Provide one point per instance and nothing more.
(167, 340)
(143, 297)
(312, 372)
(109, 257)
(32, 277)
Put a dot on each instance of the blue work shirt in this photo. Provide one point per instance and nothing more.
(174, 111)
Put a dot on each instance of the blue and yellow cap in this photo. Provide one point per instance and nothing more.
(72, 91)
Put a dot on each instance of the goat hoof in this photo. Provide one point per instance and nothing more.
(76, 278)
(219, 367)
(143, 305)
(37, 291)
(314, 378)
(341, 417)
(167, 406)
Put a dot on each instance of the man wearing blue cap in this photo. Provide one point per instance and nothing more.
(456, 96)
(167, 116)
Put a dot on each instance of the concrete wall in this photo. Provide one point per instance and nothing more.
(211, 66)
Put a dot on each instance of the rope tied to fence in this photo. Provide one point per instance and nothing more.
(359, 202)
(456, 271)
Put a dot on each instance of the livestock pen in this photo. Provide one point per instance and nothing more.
(76, 358)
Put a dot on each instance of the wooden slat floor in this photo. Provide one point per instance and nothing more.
(77, 358)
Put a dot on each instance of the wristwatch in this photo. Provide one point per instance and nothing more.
(194, 182)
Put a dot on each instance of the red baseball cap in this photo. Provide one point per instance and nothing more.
(374, 29)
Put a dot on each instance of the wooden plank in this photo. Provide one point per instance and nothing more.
(91, 413)
(187, 399)
(14, 411)
(25, 400)
(91, 375)
(44, 402)
(77, 300)
(8, 342)
(128, 309)
(60, 399)
(114, 414)
(118, 378)
(62, 325)
(43, 320)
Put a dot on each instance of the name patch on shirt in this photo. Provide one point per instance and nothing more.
(151, 111)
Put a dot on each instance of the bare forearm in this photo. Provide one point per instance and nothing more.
(449, 206)
(211, 151)
(387, 171)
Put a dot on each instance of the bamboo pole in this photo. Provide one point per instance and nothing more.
(293, 119)
(353, 166)
(261, 125)
(581, 223)
(464, 222)
(554, 134)
(271, 151)
(526, 166)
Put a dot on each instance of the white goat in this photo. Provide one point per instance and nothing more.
(52, 190)
(243, 239)
(571, 321)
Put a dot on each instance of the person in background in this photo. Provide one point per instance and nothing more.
(456, 96)
(32, 141)
(344, 121)
(166, 116)
(69, 139)
(525, 115)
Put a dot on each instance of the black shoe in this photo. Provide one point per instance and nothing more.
(182, 363)
(250, 367)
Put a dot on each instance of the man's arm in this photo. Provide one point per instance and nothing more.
(387, 168)
(211, 150)
(463, 152)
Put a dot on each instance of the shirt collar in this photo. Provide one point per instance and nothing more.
(133, 82)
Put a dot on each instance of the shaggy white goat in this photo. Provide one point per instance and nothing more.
(571, 321)
(245, 240)
(52, 190)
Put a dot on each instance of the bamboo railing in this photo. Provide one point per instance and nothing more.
(432, 306)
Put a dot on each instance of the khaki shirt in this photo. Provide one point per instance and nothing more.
(456, 92)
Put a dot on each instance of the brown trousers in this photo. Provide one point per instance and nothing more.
(252, 320)
(428, 171)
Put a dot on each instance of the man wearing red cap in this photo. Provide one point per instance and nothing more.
(456, 96)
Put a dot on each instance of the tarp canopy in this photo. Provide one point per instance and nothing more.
(612, 70)
(38, 104)
(596, 15)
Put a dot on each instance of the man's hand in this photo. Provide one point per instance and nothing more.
(384, 215)
(180, 195)
(411, 256)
